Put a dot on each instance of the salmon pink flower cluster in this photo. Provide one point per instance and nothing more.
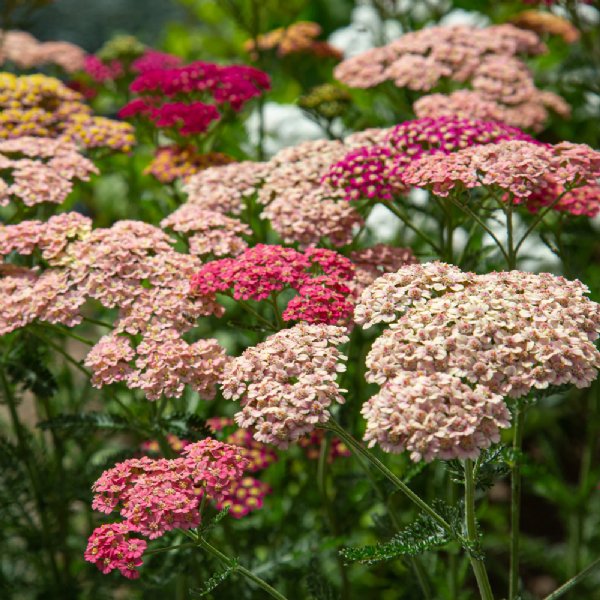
(287, 383)
(154, 496)
(518, 167)
(25, 51)
(503, 88)
(374, 170)
(41, 169)
(263, 271)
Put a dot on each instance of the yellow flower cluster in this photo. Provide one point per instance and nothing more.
(37, 105)
(176, 162)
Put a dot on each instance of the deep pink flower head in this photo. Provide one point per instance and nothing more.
(233, 84)
(101, 71)
(264, 270)
(374, 171)
(111, 547)
(188, 119)
(154, 59)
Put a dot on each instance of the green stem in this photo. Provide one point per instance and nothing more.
(515, 503)
(483, 583)
(511, 262)
(257, 315)
(567, 586)
(229, 562)
(67, 332)
(404, 218)
(97, 322)
(328, 510)
(540, 217)
(278, 317)
(36, 487)
(414, 561)
(358, 448)
(482, 224)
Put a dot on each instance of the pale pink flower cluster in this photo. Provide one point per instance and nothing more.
(132, 266)
(532, 113)
(434, 416)
(503, 88)
(24, 51)
(501, 334)
(224, 188)
(161, 365)
(420, 59)
(389, 296)
(156, 496)
(208, 232)
(300, 208)
(40, 170)
(518, 167)
(288, 382)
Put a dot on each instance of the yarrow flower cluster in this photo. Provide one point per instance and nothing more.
(208, 232)
(502, 86)
(375, 170)
(299, 206)
(36, 105)
(180, 162)
(298, 38)
(40, 170)
(521, 168)
(263, 271)
(131, 266)
(459, 342)
(156, 496)
(25, 51)
(287, 383)
(420, 59)
(546, 22)
(195, 93)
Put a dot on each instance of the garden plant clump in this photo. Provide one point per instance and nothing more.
(301, 300)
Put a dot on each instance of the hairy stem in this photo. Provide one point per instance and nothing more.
(515, 503)
(483, 582)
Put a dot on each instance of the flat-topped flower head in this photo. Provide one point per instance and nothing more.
(513, 332)
(157, 495)
(434, 416)
(517, 167)
(111, 547)
(375, 170)
(287, 383)
(264, 270)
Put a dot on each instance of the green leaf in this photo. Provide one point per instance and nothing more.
(215, 581)
(85, 422)
(212, 523)
(418, 537)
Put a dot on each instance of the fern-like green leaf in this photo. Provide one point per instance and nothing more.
(85, 422)
(214, 582)
(418, 537)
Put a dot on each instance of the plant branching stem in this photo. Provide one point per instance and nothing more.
(515, 503)
(483, 583)
(567, 586)
(229, 562)
(358, 448)
(404, 218)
